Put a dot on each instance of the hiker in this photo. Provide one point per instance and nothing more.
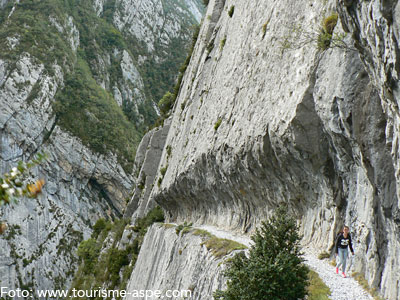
(342, 242)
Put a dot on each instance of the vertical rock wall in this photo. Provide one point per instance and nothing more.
(257, 125)
(179, 262)
(146, 166)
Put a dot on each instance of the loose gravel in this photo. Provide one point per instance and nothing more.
(341, 288)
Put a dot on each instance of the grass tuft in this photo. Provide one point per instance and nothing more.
(168, 225)
(221, 247)
(364, 283)
(329, 23)
(203, 233)
(324, 255)
(217, 124)
(325, 37)
(222, 43)
(317, 290)
(264, 29)
(333, 262)
(184, 228)
(231, 11)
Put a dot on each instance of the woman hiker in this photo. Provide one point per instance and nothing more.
(343, 241)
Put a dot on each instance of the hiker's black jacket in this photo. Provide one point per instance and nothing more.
(343, 242)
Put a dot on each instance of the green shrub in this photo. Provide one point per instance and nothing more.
(169, 151)
(163, 170)
(99, 226)
(231, 11)
(325, 36)
(274, 268)
(88, 252)
(154, 215)
(83, 104)
(324, 41)
(116, 260)
(264, 28)
(205, 2)
(217, 124)
(104, 269)
(170, 101)
(142, 182)
(166, 103)
(299, 36)
(26, 262)
(119, 227)
(184, 228)
(30, 22)
(162, 173)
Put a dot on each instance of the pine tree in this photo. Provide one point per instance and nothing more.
(274, 268)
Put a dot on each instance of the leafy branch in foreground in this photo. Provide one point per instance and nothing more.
(13, 185)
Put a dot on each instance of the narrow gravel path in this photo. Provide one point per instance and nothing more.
(341, 288)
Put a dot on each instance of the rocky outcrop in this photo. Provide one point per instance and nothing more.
(184, 265)
(256, 125)
(146, 165)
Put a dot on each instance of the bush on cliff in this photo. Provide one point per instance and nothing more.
(326, 33)
(88, 252)
(273, 269)
(104, 260)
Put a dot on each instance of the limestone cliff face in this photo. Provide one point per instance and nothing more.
(182, 261)
(375, 29)
(148, 21)
(36, 62)
(257, 125)
(146, 166)
(81, 185)
(160, 29)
